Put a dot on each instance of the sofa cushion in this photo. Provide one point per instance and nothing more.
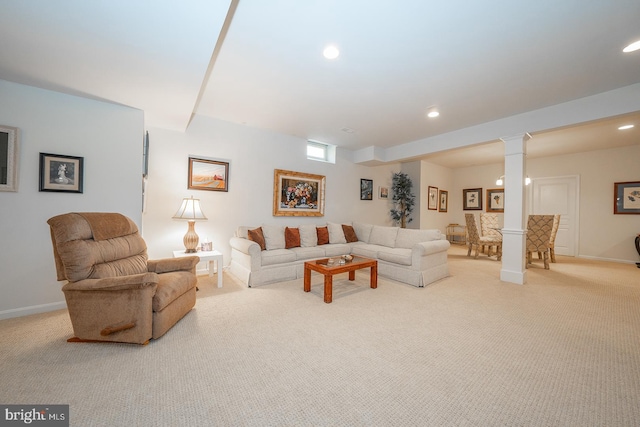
(257, 236)
(349, 233)
(365, 250)
(336, 235)
(385, 236)
(363, 231)
(407, 238)
(273, 237)
(308, 253)
(277, 256)
(400, 256)
(335, 249)
(308, 235)
(291, 238)
(323, 235)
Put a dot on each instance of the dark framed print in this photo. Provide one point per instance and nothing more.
(433, 198)
(61, 173)
(472, 199)
(626, 197)
(205, 174)
(444, 201)
(495, 200)
(9, 147)
(297, 193)
(366, 189)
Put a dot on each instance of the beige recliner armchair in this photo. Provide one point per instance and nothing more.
(113, 292)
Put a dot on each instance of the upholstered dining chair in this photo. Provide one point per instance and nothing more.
(113, 292)
(474, 239)
(538, 237)
(489, 228)
(552, 240)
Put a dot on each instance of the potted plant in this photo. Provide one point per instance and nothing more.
(403, 199)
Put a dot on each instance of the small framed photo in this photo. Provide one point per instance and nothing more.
(205, 174)
(626, 197)
(444, 201)
(472, 199)
(61, 173)
(366, 189)
(433, 198)
(495, 200)
(383, 192)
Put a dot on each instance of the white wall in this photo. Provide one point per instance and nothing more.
(602, 235)
(109, 137)
(253, 155)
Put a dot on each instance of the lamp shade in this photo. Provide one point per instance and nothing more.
(190, 210)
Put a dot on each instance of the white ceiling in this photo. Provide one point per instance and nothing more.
(260, 63)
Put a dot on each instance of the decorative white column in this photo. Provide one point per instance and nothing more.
(514, 237)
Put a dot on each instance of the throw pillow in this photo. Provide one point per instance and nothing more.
(349, 233)
(273, 236)
(323, 235)
(257, 236)
(308, 235)
(291, 238)
(336, 235)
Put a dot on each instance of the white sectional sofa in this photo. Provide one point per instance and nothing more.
(415, 257)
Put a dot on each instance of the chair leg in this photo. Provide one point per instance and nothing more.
(499, 252)
(546, 260)
(529, 257)
(552, 253)
(539, 255)
(477, 249)
(469, 251)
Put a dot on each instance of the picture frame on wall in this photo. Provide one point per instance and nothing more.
(366, 189)
(298, 193)
(9, 148)
(444, 201)
(61, 173)
(626, 197)
(207, 174)
(495, 200)
(432, 198)
(472, 199)
(383, 192)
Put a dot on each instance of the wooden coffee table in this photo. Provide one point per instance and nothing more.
(330, 268)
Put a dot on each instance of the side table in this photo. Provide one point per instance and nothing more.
(209, 257)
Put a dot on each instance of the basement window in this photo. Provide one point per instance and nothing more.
(321, 152)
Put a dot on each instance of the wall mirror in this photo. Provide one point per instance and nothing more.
(8, 158)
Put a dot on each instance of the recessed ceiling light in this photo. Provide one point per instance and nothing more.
(331, 52)
(433, 113)
(632, 47)
(625, 127)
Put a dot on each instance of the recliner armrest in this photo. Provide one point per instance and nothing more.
(134, 281)
(166, 265)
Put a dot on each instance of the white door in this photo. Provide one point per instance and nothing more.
(559, 195)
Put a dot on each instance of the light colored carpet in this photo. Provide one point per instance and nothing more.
(469, 350)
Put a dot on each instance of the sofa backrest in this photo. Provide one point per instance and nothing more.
(407, 238)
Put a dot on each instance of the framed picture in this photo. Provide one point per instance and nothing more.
(472, 199)
(495, 200)
(383, 192)
(433, 198)
(205, 174)
(61, 173)
(626, 197)
(444, 201)
(297, 193)
(366, 189)
(9, 158)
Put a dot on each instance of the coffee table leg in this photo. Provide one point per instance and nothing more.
(374, 277)
(307, 279)
(328, 288)
(352, 275)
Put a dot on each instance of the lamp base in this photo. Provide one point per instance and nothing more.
(191, 239)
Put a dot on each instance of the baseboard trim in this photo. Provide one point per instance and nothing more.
(34, 309)
(595, 258)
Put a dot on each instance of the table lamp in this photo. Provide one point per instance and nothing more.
(190, 210)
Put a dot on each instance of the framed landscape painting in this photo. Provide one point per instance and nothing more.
(472, 199)
(297, 193)
(495, 200)
(626, 197)
(205, 174)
